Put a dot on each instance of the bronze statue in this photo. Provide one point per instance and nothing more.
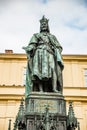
(45, 64)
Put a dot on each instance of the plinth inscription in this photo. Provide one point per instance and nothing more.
(38, 103)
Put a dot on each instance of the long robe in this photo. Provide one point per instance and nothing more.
(45, 61)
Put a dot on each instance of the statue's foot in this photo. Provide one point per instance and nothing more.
(41, 91)
(40, 88)
(55, 90)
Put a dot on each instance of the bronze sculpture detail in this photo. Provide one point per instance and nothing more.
(45, 64)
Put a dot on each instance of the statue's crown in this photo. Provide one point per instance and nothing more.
(44, 19)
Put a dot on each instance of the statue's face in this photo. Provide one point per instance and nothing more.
(44, 26)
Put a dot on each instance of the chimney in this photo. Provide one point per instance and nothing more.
(8, 51)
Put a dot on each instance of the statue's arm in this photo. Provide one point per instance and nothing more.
(30, 49)
(58, 52)
(58, 46)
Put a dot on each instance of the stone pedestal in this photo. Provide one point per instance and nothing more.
(45, 111)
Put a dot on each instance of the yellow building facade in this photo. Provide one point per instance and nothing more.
(12, 86)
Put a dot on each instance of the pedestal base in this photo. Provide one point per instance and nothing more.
(45, 111)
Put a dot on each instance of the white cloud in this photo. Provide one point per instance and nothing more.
(19, 19)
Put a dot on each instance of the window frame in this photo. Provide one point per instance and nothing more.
(85, 77)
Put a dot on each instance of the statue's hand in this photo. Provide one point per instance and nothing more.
(25, 48)
(30, 50)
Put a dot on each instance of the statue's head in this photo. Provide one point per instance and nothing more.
(44, 25)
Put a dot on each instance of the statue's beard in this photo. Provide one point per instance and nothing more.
(44, 30)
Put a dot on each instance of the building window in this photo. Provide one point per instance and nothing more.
(85, 77)
(24, 76)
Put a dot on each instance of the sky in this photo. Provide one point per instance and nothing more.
(19, 20)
